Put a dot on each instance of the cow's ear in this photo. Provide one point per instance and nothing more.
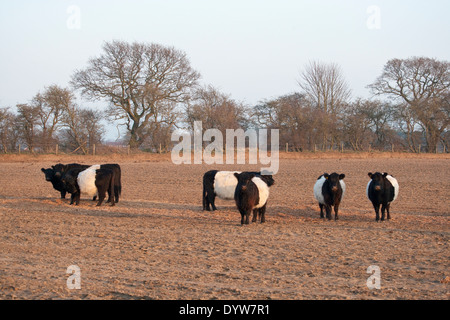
(43, 170)
(370, 175)
(341, 176)
(326, 175)
(385, 174)
(236, 175)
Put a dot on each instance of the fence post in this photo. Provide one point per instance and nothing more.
(287, 147)
(392, 148)
(93, 149)
(128, 149)
(160, 148)
(19, 148)
(342, 147)
(56, 149)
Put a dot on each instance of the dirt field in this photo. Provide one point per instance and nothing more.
(157, 243)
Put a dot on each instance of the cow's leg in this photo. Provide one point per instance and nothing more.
(111, 189)
(328, 211)
(117, 184)
(247, 217)
(321, 210)
(72, 198)
(110, 193)
(211, 196)
(101, 192)
(63, 194)
(388, 206)
(336, 209)
(242, 218)
(205, 201)
(117, 191)
(101, 197)
(255, 215)
(245, 214)
(383, 209)
(262, 212)
(77, 198)
(377, 211)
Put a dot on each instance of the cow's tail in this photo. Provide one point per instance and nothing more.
(118, 184)
(111, 188)
(204, 197)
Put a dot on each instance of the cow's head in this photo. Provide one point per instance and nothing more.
(70, 181)
(268, 179)
(243, 179)
(333, 180)
(49, 173)
(377, 180)
(59, 169)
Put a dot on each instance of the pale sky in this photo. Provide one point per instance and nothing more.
(251, 50)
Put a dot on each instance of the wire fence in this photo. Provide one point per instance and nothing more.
(105, 149)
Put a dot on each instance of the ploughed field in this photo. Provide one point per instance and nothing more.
(157, 243)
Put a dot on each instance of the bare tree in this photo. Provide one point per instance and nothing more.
(28, 119)
(328, 91)
(215, 110)
(157, 133)
(138, 80)
(299, 123)
(356, 126)
(8, 133)
(92, 127)
(421, 86)
(50, 105)
(82, 128)
(325, 86)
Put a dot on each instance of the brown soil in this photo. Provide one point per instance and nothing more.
(157, 243)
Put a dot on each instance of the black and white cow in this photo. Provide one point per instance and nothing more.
(382, 190)
(93, 181)
(55, 174)
(221, 184)
(251, 194)
(329, 190)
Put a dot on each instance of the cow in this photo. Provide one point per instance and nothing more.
(117, 180)
(251, 194)
(93, 181)
(329, 191)
(55, 174)
(382, 190)
(221, 184)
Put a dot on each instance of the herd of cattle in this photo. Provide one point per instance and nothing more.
(91, 181)
(250, 190)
